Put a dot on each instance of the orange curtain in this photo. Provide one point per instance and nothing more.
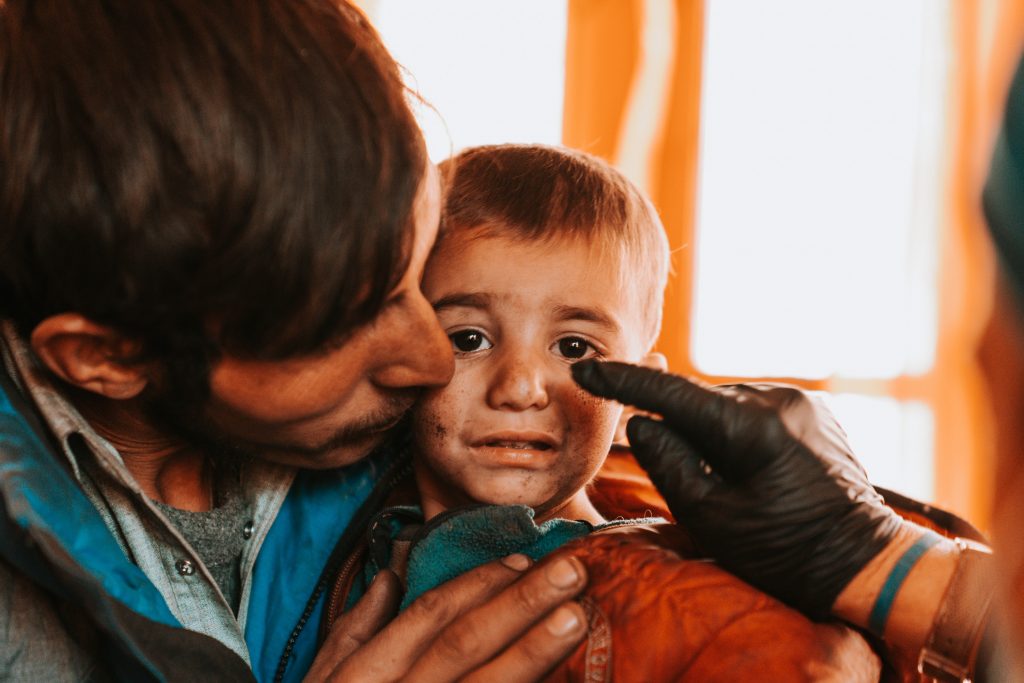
(603, 50)
(987, 38)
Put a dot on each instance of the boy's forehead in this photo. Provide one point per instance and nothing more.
(611, 255)
(610, 274)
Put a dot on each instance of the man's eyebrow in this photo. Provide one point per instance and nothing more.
(464, 300)
(593, 315)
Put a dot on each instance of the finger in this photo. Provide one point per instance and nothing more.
(490, 628)
(676, 469)
(357, 626)
(541, 649)
(392, 652)
(738, 431)
(697, 413)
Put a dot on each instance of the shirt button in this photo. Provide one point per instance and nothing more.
(247, 530)
(185, 567)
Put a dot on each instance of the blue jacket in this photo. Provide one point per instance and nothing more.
(51, 534)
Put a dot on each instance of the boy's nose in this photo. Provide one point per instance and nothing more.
(518, 383)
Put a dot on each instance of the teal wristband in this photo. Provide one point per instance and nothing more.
(883, 604)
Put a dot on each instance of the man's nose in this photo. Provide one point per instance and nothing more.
(518, 382)
(423, 356)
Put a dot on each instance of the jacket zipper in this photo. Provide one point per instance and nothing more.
(342, 587)
(400, 469)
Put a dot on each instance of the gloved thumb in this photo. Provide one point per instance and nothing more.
(675, 467)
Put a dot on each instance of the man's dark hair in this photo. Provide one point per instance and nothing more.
(219, 174)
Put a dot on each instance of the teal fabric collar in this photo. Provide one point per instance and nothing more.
(460, 540)
(463, 538)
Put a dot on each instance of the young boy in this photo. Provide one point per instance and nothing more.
(546, 257)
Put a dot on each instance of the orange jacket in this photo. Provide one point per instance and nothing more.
(656, 616)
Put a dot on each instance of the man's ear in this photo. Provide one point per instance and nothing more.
(89, 356)
(656, 361)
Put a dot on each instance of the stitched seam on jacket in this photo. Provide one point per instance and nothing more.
(598, 657)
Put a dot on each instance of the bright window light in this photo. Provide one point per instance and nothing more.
(891, 439)
(494, 71)
(819, 187)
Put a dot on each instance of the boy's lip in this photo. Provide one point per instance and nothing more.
(513, 439)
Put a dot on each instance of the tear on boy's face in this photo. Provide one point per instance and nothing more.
(512, 427)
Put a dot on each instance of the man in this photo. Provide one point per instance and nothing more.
(214, 220)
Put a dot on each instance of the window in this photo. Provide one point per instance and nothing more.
(494, 72)
(818, 209)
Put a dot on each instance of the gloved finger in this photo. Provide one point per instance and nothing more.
(700, 415)
(675, 467)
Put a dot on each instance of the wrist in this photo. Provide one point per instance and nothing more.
(916, 602)
(955, 638)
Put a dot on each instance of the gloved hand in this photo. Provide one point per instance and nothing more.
(760, 475)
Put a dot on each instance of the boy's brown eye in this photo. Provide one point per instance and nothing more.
(573, 348)
(467, 341)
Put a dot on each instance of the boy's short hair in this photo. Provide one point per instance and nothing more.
(540, 192)
(229, 175)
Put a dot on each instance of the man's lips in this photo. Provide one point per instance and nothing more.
(385, 423)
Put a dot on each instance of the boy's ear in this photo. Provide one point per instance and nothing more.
(89, 356)
(656, 361)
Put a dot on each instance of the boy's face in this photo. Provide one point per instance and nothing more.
(512, 427)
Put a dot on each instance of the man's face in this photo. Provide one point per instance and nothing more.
(332, 408)
(512, 427)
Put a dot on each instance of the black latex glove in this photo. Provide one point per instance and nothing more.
(760, 475)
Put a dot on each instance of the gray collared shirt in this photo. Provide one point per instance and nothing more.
(144, 533)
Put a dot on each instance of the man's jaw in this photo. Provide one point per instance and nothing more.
(348, 444)
(344, 445)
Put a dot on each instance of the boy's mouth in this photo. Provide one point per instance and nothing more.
(519, 445)
(520, 441)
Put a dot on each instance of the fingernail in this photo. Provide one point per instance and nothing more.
(563, 621)
(518, 562)
(564, 573)
(378, 579)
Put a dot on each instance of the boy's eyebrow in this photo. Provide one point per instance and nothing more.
(593, 315)
(463, 299)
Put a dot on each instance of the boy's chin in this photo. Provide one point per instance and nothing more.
(540, 502)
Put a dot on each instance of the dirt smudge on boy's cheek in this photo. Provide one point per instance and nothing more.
(429, 429)
(586, 410)
(583, 396)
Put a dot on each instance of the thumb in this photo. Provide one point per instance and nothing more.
(357, 626)
(675, 467)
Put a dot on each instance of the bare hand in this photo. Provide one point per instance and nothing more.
(496, 622)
